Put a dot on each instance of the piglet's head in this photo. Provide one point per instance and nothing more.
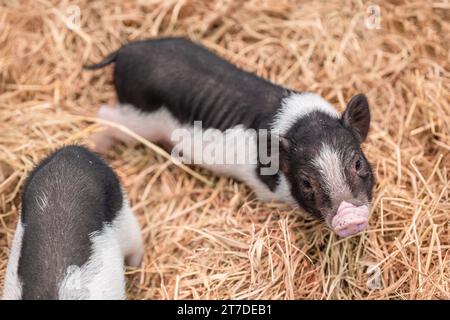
(321, 157)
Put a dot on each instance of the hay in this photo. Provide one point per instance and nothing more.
(219, 242)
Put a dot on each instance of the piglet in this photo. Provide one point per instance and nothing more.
(171, 85)
(75, 230)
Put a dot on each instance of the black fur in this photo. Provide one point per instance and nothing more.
(193, 84)
(357, 116)
(108, 60)
(83, 194)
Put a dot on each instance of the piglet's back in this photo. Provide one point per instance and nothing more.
(67, 198)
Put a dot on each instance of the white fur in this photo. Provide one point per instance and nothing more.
(329, 164)
(42, 200)
(298, 105)
(154, 126)
(128, 233)
(102, 276)
(246, 172)
(160, 125)
(13, 285)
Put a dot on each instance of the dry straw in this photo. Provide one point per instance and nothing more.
(218, 241)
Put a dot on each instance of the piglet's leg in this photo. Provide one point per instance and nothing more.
(105, 139)
(129, 235)
(156, 126)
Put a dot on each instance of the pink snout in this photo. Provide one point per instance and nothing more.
(350, 219)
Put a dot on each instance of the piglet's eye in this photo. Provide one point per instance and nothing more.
(358, 164)
(359, 170)
(306, 184)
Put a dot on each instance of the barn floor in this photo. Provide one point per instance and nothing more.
(219, 242)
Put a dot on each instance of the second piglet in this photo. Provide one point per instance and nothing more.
(74, 232)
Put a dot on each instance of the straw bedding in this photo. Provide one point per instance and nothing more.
(207, 237)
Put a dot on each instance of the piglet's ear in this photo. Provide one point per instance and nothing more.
(284, 149)
(284, 144)
(357, 116)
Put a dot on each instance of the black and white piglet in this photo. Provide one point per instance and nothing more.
(74, 232)
(165, 85)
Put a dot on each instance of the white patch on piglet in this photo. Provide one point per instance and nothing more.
(13, 285)
(159, 126)
(329, 164)
(156, 126)
(102, 276)
(298, 105)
